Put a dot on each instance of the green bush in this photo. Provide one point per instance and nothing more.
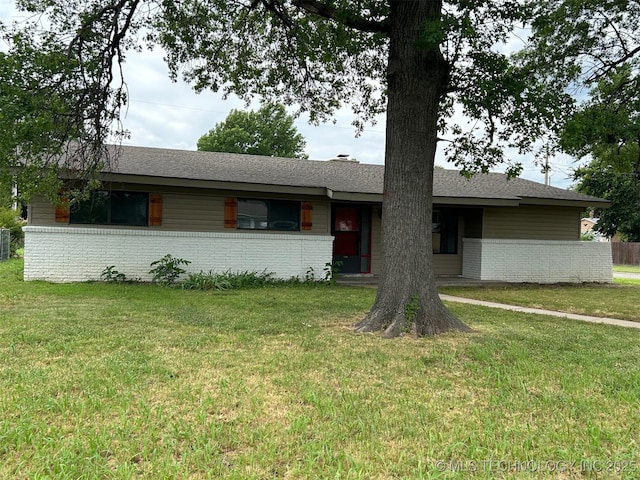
(10, 218)
(247, 279)
(111, 275)
(206, 281)
(167, 270)
(227, 280)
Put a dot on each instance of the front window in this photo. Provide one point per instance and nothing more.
(268, 214)
(112, 208)
(444, 228)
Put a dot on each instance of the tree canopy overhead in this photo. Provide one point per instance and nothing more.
(583, 41)
(606, 131)
(316, 55)
(593, 47)
(268, 131)
(420, 61)
(577, 44)
(619, 185)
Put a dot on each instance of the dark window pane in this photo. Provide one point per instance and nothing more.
(129, 208)
(445, 231)
(268, 215)
(365, 236)
(364, 264)
(284, 215)
(253, 214)
(450, 236)
(112, 208)
(94, 210)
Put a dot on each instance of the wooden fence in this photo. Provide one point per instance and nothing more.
(625, 253)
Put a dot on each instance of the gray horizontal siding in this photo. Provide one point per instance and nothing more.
(41, 212)
(447, 264)
(191, 210)
(186, 212)
(532, 222)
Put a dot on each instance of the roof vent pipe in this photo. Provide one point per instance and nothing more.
(344, 157)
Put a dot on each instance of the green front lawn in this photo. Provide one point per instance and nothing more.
(619, 300)
(136, 381)
(626, 268)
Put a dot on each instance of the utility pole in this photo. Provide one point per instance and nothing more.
(546, 166)
(14, 195)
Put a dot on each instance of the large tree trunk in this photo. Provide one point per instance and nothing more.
(407, 298)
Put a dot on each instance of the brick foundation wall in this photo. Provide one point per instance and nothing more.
(537, 261)
(71, 254)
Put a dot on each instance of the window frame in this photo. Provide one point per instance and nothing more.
(270, 204)
(444, 224)
(73, 211)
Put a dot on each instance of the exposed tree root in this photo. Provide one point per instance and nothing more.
(397, 327)
(422, 323)
(373, 322)
(434, 325)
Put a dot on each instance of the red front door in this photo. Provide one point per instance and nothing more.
(351, 228)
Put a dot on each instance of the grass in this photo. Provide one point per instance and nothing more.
(627, 268)
(618, 300)
(126, 381)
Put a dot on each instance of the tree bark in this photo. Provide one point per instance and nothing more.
(407, 300)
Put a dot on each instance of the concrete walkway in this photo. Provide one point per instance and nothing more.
(635, 276)
(372, 282)
(539, 311)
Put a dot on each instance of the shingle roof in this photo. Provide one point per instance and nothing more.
(338, 176)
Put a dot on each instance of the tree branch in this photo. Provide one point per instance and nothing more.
(352, 21)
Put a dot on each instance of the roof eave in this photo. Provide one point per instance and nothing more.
(478, 202)
(366, 197)
(596, 202)
(354, 196)
(213, 184)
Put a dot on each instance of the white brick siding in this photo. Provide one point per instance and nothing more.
(537, 261)
(70, 254)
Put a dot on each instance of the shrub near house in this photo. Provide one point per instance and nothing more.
(10, 219)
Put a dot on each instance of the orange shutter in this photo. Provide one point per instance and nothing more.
(230, 212)
(307, 213)
(155, 209)
(62, 207)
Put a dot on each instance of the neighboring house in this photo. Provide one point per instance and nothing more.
(587, 227)
(240, 212)
(587, 224)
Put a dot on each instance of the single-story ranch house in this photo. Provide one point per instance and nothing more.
(225, 211)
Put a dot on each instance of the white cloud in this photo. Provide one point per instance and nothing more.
(8, 11)
(171, 115)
